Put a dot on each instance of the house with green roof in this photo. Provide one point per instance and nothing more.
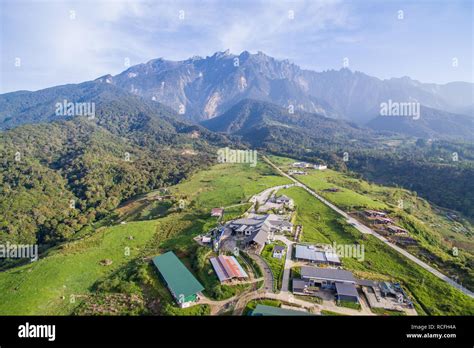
(180, 281)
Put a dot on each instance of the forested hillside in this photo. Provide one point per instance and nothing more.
(59, 177)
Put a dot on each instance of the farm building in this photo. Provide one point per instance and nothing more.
(374, 213)
(217, 212)
(227, 268)
(258, 229)
(180, 281)
(326, 277)
(299, 286)
(346, 292)
(397, 230)
(263, 310)
(316, 255)
(381, 221)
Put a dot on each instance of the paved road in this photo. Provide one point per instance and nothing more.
(364, 229)
(267, 273)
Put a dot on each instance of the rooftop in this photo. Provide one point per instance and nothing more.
(309, 252)
(179, 279)
(346, 289)
(227, 267)
(259, 237)
(332, 274)
(299, 283)
(279, 248)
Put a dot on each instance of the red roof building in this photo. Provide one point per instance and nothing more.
(217, 212)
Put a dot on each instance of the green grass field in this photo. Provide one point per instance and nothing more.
(227, 184)
(73, 270)
(69, 271)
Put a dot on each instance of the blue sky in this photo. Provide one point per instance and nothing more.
(61, 42)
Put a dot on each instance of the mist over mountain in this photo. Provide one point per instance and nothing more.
(431, 123)
(258, 122)
(199, 89)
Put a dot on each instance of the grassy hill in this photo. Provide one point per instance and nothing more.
(74, 270)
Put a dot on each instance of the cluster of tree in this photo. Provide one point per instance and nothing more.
(58, 177)
(440, 171)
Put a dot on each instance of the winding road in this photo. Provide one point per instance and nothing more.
(366, 230)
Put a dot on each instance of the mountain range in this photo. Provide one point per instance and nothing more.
(200, 89)
(171, 117)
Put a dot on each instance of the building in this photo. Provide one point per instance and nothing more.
(381, 221)
(297, 172)
(316, 255)
(326, 277)
(277, 203)
(257, 240)
(346, 292)
(278, 251)
(320, 167)
(299, 286)
(184, 287)
(374, 213)
(301, 165)
(382, 294)
(259, 229)
(247, 226)
(398, 231)
(227, 268)
(277, 224)
(206, 240)
(263, 310)
(286, 201)
(217, 212)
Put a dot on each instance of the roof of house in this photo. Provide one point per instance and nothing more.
(284, 198)
(227, 267)
(179, 279)
(332, 257)
(299, 284)
(279, 248)
(376, 212)
(331, 274)
(259, 237)
(247, 221)
(217, 211)
(280, 223)
(396, 228)
(346, 289)
(270, 310)
(308, 252)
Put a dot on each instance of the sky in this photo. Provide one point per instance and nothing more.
(48, 43)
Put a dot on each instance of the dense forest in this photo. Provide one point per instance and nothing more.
(56, 178)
